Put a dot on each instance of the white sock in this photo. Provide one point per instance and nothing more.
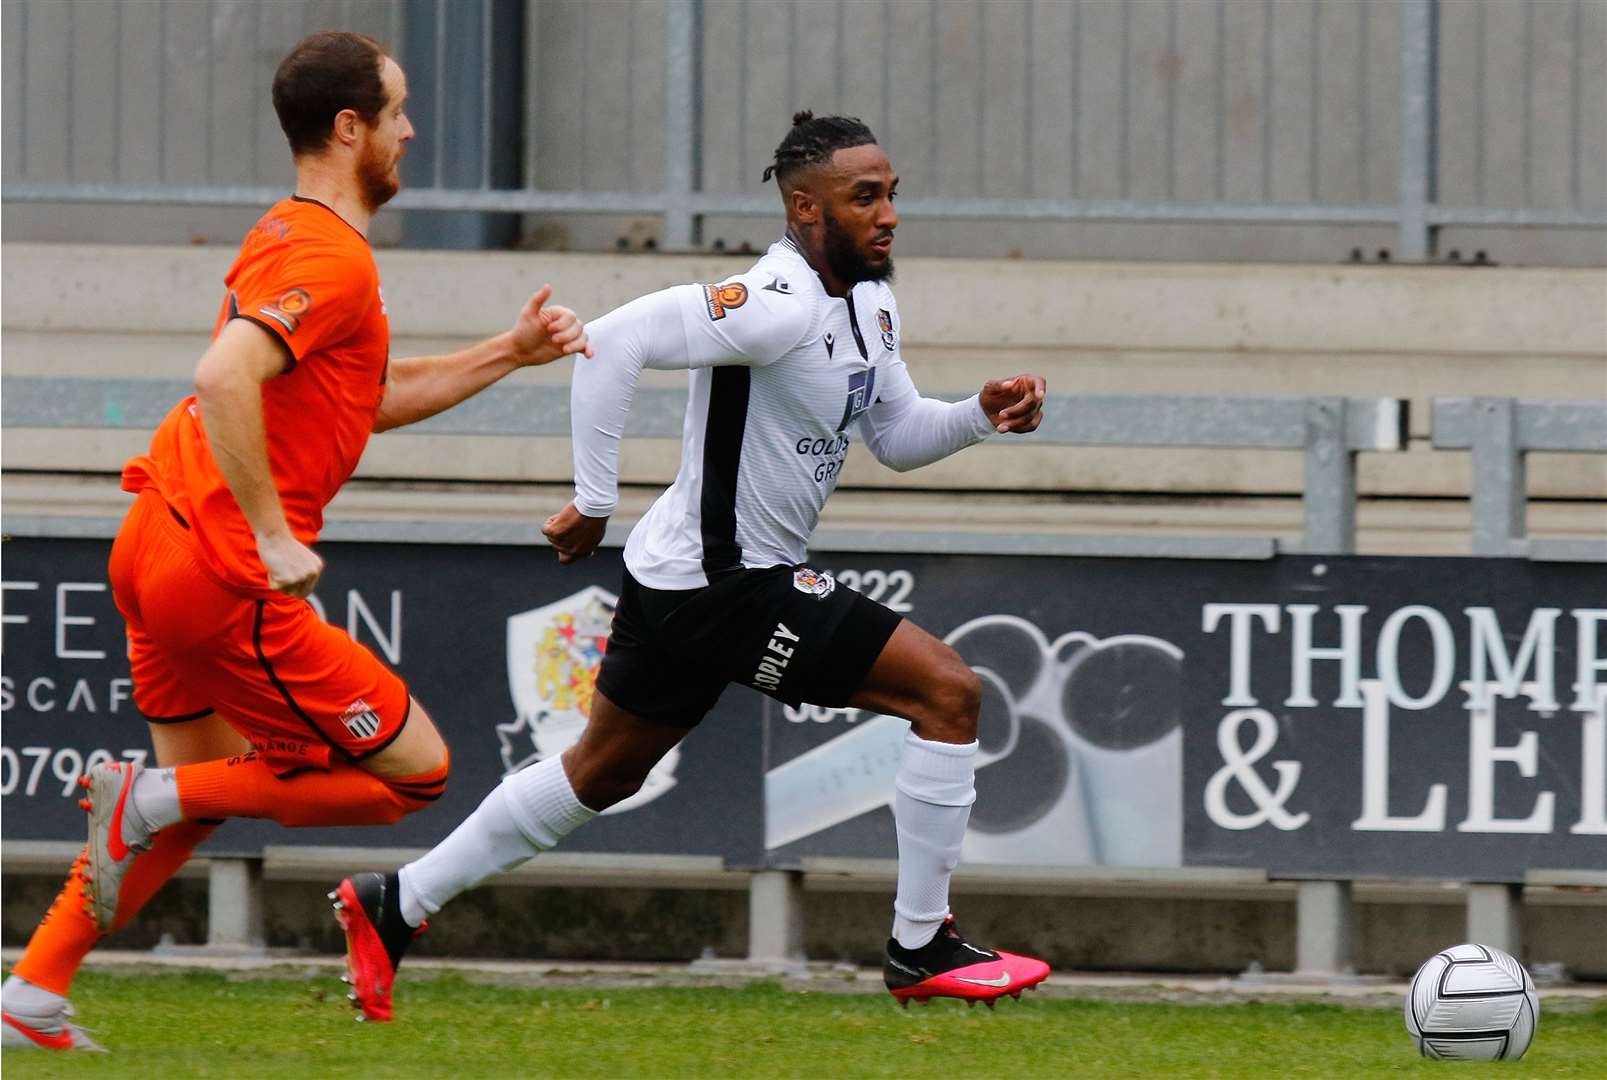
(936, 786)
(529, 812)
(154, 800)
(26, 1000)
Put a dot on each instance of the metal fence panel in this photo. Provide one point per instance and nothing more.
(1165, 111)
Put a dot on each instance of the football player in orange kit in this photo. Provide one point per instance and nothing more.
(258, 708)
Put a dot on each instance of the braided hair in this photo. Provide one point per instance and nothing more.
(813, 140)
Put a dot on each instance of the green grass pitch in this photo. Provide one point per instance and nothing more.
(182, 1025)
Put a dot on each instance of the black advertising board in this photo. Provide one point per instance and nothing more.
(497, 643)
(1316, 717)
(1374, 717)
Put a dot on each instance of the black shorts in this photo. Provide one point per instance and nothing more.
(787, 631)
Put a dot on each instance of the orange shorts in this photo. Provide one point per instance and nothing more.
(299, 689)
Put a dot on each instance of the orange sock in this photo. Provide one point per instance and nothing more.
(344, 795)
(67, 932)
(170, 849)
(63, 937)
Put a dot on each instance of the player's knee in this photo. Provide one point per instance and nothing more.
(428, 752)
(413, 793)
(417, 751)
(436, 759)
(966, 702)
(954, 701)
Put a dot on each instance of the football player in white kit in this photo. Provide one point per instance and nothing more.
(787, 361)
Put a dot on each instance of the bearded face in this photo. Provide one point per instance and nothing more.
(850, 260)
(379, 172)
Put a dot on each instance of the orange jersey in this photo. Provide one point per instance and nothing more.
(308, 278)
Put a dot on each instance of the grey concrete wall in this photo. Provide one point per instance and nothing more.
(1096, 328)
(1246, 101)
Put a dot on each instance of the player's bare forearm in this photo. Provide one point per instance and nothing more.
(419, 387)
(228, 387)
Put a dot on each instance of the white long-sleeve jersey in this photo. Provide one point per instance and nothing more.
(781, 373)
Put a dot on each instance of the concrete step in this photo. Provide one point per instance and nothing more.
(1384, 526)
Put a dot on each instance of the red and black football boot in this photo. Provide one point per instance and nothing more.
(368, 907)
(950, 966)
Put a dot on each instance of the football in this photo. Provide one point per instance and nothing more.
(1472, 1003)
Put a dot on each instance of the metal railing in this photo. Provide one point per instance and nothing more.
(1501, 433)
(1329, 432)
(1234, 112)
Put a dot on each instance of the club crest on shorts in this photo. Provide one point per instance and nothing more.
(815, 582)
(360, 720)
(884, 319)
(554, 654)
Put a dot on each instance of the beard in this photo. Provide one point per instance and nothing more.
(377, 178)
(846, 259)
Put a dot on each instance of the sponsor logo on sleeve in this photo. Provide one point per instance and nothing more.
(288, 310)
(719, 299)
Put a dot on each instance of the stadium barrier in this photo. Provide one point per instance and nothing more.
(1501, 433)
(1329, 431)
(776, 870)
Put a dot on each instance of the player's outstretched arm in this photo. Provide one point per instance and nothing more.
(228, 388)
(906, 431)
(1014, 405)
(418, 387)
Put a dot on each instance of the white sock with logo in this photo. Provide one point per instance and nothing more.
(936, 785)
(528, 813)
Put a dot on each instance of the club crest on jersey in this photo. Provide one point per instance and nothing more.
(817, 583)
(861, 395)
(719, 299)
(884, 319)
(554, 653)
(360, 720)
